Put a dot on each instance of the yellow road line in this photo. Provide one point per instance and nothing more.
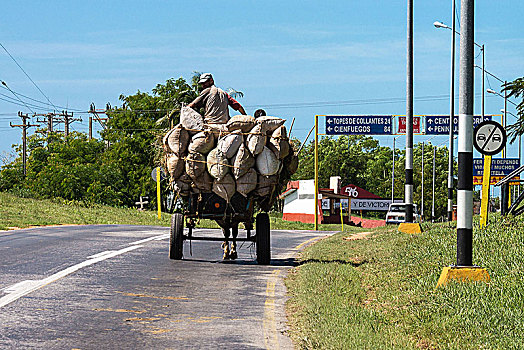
(270, 326)
(303, 244)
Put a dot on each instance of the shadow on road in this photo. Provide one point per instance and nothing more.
(291, 262)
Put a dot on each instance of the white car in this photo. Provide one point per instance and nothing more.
(397, 213)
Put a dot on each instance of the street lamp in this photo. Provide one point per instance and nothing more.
(439, 24)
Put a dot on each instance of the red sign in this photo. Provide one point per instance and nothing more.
(477, 180)
(402, 125)
(357, 192)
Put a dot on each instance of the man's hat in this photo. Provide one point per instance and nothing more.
(205, 77)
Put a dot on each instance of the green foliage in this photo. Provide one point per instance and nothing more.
(361, 161)
(379, 292)
(516, 89)
(68, 168)
(134, 132)
(115, 170)
(344, 156)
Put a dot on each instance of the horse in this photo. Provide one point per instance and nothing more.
(229, 228)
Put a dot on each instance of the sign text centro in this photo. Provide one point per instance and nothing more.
(358, 125)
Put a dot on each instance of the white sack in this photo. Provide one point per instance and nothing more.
(225, 187)
(217, 164)
(280, 141)
(256, 140)
(203, 142)
(175, 166)
(247, 182)
(195, 165)
(242, 162)
(177, 140)
(270, 124)
(243, 123)
(217, 129)
(267, 162)
(229, 144)
(191, 119)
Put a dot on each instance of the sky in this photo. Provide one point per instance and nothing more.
(295, 59)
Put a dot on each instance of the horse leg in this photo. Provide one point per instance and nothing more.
(225, 245)
(233, 254)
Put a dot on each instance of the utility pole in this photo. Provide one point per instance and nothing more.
(49, 120)
(433, 195)
(24, 126)
(408, 187)
(451, 117)
(393, 175)
(90, 127)
(422, 203)
(68, 119)
(465, 142)
(95, 115)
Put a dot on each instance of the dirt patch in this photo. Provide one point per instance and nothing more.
(12, 228)
(425, 344)
(359, 235)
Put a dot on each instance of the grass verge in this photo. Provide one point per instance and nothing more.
(16, 212)
(379, 292)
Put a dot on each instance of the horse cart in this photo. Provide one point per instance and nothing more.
(228, 215)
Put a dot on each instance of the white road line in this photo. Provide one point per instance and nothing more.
(100, 254)
(23, 288)
(155, 238)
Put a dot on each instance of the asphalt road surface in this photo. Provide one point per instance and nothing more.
(114, 287)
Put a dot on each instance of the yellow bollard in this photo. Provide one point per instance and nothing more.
(159, 204)
(486, 178)
(341, 216)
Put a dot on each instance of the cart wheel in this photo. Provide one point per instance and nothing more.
(262, 239)
(176, 239)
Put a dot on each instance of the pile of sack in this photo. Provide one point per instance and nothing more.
(246, 155)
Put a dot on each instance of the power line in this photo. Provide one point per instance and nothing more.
(43, 102)
(18, 98)
(27, 75)
(26, 104)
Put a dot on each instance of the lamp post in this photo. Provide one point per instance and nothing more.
(408, 186)
(438, 24)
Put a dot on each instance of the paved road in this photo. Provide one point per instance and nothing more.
(113, 287)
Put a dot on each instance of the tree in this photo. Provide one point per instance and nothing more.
(516, 89)
(361, 161)
(353, 158)
(134, 132)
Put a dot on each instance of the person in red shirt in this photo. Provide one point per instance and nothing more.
(215, 101)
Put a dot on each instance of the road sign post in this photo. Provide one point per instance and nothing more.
(316, 171)
(358, 125)
(484, 204)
